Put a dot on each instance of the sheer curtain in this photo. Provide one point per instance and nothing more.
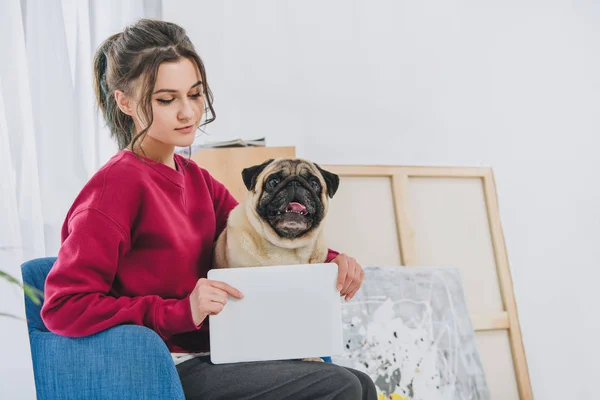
(51, 139)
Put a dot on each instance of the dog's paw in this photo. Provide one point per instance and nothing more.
(316, 359)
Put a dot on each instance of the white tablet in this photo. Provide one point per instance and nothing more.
(288, 312)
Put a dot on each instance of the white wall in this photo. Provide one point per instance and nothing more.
(513, 85)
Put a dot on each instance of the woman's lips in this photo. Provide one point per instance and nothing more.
(186, 129)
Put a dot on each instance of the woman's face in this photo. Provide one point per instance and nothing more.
(177, 104)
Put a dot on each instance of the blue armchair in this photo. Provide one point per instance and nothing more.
(124, 362)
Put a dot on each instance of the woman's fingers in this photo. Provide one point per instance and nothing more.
(213, 307)
(217, 295)
(209, 297)
(342, 264)
(357, 283)
(352, 277)
(226, 288)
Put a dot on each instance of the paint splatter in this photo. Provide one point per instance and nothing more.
(409, 330)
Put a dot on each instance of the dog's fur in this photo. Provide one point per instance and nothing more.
(280, 221)
(260, 232)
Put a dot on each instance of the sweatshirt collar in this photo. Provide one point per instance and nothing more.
(174, 175)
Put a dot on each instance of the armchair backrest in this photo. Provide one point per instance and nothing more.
(34, 274)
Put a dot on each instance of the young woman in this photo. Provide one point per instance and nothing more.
(137, 242)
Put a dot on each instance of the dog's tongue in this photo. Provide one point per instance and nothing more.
(295, 207)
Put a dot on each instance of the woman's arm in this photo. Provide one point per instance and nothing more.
(77, 300)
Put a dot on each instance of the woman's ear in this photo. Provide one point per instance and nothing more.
(123, 102)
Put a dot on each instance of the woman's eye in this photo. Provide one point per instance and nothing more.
(315, 184)
(193, 96)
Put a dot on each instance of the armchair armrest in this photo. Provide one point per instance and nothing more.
(124, 362)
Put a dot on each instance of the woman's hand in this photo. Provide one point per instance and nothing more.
(350, 275)
(209, 297)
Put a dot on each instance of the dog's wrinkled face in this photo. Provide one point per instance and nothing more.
(291, 195)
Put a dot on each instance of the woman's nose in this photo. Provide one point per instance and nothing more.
(186, 111)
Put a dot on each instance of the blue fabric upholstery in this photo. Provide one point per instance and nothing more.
(34, 274)
(124, 362)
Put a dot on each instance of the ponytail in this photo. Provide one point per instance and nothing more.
(119, 123)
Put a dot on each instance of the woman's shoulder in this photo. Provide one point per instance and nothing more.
(124, 164)
(121, 170)
(115, 185)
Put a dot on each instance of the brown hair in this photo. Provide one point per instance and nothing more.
(137, 52)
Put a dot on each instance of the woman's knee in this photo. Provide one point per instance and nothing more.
(344, 384)
(369, 391)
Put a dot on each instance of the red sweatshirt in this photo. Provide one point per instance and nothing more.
(137, 238)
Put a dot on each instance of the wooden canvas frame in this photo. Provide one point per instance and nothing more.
(506, 320)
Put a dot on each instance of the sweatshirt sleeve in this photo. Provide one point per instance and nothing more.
(77, 300)
(331, 254)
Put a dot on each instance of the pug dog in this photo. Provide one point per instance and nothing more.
(280, 222)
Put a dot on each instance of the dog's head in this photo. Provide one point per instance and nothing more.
(291, 196)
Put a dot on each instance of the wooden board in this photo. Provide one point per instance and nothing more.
(226, 164)
(414, 216)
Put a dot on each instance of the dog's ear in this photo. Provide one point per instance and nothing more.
(250, 174)
(331, 179)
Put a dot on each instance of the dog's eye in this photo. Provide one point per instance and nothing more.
(315, 184)
(271, 183)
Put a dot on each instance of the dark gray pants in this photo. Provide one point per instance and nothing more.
(273, 380)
